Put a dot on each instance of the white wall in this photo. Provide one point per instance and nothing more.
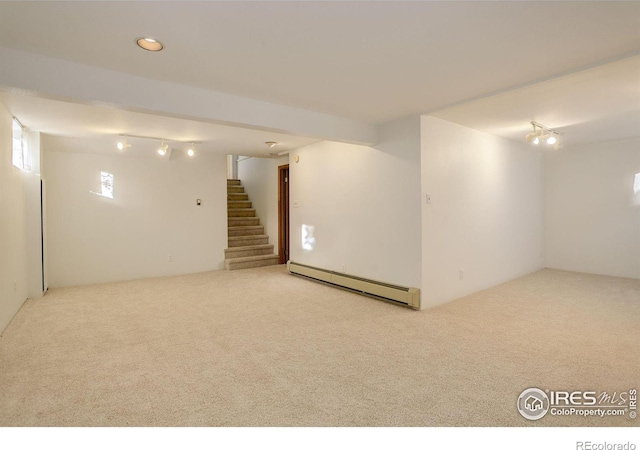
(259, 177)
(93, 239)
(486, 211)
(33, 223)
(364, 203)
(592, 215)
(13, 243)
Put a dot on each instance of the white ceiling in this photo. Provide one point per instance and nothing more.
(369, 61)
(595, 105)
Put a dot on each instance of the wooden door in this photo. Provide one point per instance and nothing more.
(283, 214)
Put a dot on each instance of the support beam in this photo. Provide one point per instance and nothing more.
(69, 81)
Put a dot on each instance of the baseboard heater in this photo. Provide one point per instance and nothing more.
(383, 291)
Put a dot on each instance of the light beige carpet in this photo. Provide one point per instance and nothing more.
(260, 347)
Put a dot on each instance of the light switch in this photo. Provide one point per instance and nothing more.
(198, 202)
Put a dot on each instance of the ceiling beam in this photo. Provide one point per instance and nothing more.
(73, 82)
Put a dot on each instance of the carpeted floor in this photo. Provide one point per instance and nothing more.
(260, 347)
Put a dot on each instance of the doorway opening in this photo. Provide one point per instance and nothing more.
(283, 214)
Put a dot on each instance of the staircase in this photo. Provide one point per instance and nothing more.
(248, 245)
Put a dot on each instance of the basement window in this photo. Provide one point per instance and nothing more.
(308, 240)
(20, 157)
(106, 182)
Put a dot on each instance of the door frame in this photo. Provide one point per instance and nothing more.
(283, 214)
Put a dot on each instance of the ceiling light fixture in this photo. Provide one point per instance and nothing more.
(531, 137)
(542, 134)
(271, 144)
(149, 44)
(162, 150)
(122, 143)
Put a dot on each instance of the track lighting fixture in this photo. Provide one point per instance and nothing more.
(534, 136)
(122, 143)
(162, 150)
(542, 134)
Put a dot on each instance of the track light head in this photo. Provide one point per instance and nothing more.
(162, 150)
(533, 137)
(122, 143)
(191, 150)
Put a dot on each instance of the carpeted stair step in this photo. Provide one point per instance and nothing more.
(241, 212)
(244, 204)
(242, 221)
(243, 241)
(246, 230)
(250, 261)
(248, 245)
(235, 197)
(235, 189)
(251, 250)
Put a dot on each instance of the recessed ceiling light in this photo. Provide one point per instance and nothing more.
(147, 43)
(271, 144)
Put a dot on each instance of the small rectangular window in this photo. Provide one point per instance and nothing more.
(106, 181)
(20, 157)
(308, 240)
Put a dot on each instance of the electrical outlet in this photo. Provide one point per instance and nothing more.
(15, 287)
(170, 258)
(461, 274)
(428, 198)
(343, 268)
